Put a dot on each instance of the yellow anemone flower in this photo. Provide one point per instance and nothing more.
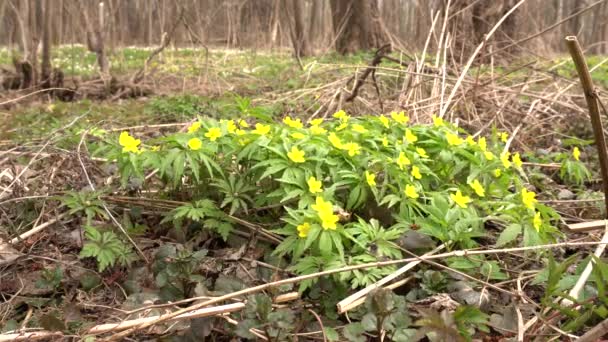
(296, 155)
(293, 123)
(303, 229)
(482, 143)
(528, 198)
(410, 137)
(261, 129)
(243, 123)
(341, 115)
(384, 121)
(297, 135)
(359, 128)
(470, 140)
(410, 191)
(478, 188)
(195, 144)
(504, 158)
(504, 137)
(403, 161)
(576, 153)
(314, 185)
(370, 178)
(421, 152)
(516, 159)
(437, 121)
(460, 200)
(335, 140)
(128, 143)
(489, 155)
(497, 173)
(384, 141)
(400, 117)
(453, 139)
(194, 127)
(213, 133)
(416, 172)
(316, 122)
(317, 130)
(231, 126)
(352, 148)
(537, 222)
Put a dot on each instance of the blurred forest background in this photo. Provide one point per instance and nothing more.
(318, 25)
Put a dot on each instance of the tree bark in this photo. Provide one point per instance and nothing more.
(301, 44)
(356, 25)
(95, 38)
(46, 46)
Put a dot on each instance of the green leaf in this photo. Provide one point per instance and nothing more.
(509, 234)
(354, 332)
(325, 242)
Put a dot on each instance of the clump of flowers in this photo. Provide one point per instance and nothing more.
(325, 178)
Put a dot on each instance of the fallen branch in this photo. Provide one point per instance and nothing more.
(213, 311)
(37, 229)
(30, 336)
(347, 303)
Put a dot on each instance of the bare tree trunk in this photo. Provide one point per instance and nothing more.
(356, 25)
(316, 19)
(46, 46)
(95, 38)
(300, 41)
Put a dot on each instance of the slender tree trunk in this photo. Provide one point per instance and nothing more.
(316, 20)
(356, 25)
(46, 46)
(95, 38)
(300, 40)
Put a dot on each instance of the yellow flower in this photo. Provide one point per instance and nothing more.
(470, 140)
(537, 222)
(410, 191)
(576, 153)
(213, 133)
(325, 210)
(231, 126)
(437, 121)
(296, 155)
(421, 152)
(352, 148)
(504, 158)
(128, 143)
(243, 123)
(297, 135)
(342, 126)
(504, 137)
(384, 121)
(370, 178)
(240, 132)
(497, 173)
(195, 144)
(155, 148)
(303, 229)
(317, 130)
(517, 160)
(403, 161)
(261, 129)
(359, 128)
(194, 127)
(478, 188)
(316, 122)
(482, 143)
(489, 155)
(384, 141)
(410, 137)
(528, 198)
(314, 185)
(416, 172)
(400, 117)
(459, 199)
(293, 123)
(341, 115)
(453, 139)
(335, 140)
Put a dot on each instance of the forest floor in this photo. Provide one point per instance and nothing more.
(57, 177)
